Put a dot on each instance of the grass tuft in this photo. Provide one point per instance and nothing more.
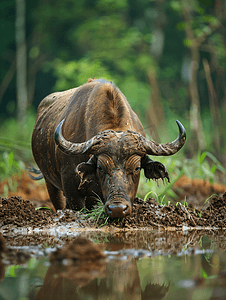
(96, 214)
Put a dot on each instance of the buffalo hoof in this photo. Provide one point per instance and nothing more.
(117, 210)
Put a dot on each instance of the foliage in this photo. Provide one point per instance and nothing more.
(8, 167)
(15, 149)
(145, 47)
(75, 73)
(123, 41)
(17, 137)
(203, 166)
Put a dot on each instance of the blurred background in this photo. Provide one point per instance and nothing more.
(167, 57)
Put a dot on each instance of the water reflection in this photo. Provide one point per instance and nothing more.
(119, 280)
(196, 271)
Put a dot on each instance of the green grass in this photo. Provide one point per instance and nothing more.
(204, 166)
(15, 149)
(152, 194)
(97, 214)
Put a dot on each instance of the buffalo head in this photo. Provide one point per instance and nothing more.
(116, 159)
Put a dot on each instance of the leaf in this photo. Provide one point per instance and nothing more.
(213, 169)
(202, 157)
(218, 164)
(42, 207)
(188, 43)
(151, 192)
(176, 5)
(204, 274)
(10, 159)
(10, 271)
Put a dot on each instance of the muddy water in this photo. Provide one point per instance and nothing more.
(137, 264)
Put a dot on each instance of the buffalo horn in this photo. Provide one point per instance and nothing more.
(166, 149)
(72, 148)
(146, 146)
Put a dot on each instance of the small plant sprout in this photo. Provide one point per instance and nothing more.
(185, 202)
(209, 198)
(158, 198)
(162, 199)
(200, 214)
(149, 194)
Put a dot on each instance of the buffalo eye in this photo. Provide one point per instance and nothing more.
(137, 170)
(100, 169)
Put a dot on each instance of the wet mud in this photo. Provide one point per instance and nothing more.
(151, 214)
(16, 213)
(22, 224)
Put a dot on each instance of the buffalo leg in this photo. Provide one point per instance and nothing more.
(74, 198)
(75, 202)
(56, 196)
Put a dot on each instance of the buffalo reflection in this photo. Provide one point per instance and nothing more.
(113, 280)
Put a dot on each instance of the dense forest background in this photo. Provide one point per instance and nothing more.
(167, 57)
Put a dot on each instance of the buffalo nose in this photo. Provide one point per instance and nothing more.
(117, 210)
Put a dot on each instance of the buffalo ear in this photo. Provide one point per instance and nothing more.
(87, 171)
(154, 169)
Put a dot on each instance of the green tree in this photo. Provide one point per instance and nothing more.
(146, 47)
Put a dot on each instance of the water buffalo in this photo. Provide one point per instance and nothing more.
(89, 144)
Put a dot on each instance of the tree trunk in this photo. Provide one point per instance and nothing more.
(156, 116)
(195, 115)
(21, 61)
(218, 127)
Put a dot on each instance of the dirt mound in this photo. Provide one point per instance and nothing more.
(151, 214)
(218, 203)
(195, 191)
(16, 212)
(19, 212)
(28, 189)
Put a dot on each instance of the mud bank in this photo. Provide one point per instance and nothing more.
(17, 213)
